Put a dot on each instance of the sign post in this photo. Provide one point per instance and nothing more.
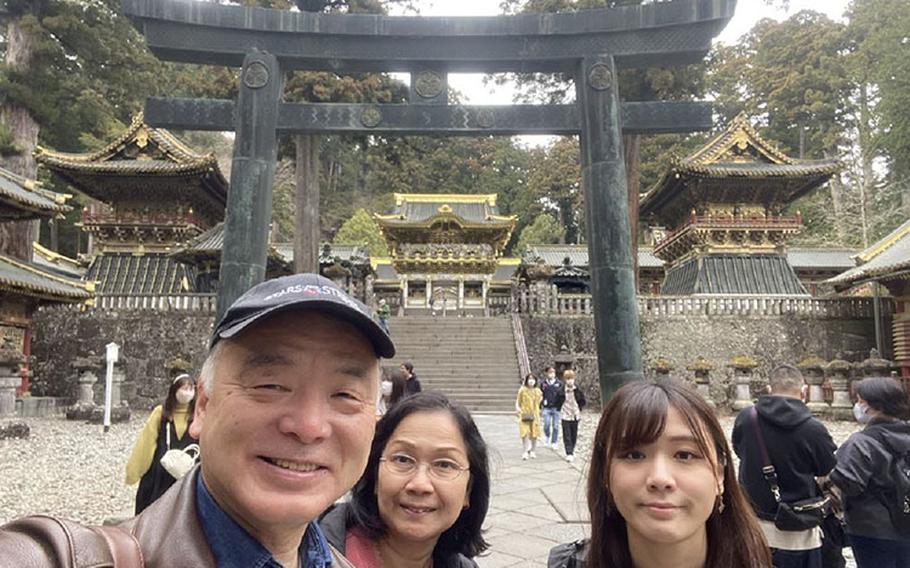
(112, 353)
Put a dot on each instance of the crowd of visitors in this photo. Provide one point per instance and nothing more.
(292, 412)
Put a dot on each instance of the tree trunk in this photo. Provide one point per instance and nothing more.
(306, 216)
(16, 237)
(632, 145)
(867, 155)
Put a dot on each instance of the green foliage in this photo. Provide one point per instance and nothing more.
(544, 230)
(555, 182)
(361, 228)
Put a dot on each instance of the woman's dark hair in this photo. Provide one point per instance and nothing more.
(636, 416)
(409, 366)
(399, 386)
(170, 403)
(886, 395)
(524, 382)
(465, 536)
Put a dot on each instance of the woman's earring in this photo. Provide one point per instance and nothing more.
(720, 504)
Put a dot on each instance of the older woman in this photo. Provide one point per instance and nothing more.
(423, 497)
(662, 490)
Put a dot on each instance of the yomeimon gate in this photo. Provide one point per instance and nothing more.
(592, 46)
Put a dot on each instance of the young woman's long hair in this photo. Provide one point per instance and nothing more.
(170, 403)
(636, 416)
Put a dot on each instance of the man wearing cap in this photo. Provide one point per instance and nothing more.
(285, 418)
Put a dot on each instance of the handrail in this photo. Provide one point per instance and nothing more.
(521, 348)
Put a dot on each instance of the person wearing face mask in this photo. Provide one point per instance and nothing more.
(570, 402)
(174, 418)
(527, 405)
(865, 476)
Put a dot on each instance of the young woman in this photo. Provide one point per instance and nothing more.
(424, 494)
(661, 488)
(864, 475)
(570, 401)
(527, 405)
(167, 427)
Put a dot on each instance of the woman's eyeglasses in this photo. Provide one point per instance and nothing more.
(441, 469)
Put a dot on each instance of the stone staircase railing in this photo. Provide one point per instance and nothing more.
(521, 348)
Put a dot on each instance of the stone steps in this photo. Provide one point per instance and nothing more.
(470, 359)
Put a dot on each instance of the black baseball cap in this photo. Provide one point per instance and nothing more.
(301, 291)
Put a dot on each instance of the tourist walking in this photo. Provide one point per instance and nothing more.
(570, 401)
(527, 405)
(550, 389)
(384, 313)
(869, 477)
(780, 432)
(167, 428)
(661, 488)
(424, 494)
(385, 394)
(412, 385)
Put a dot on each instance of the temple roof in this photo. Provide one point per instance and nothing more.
(144, 164)
(22, 198)
(718, 172)
(27, 279)
(887, 259)
(422, 209)
(733, 274)
(56, 262)
(207, 246)
(138, 275)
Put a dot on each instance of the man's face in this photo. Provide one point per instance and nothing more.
(287, 427)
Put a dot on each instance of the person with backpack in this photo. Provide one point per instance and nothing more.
(871, 475)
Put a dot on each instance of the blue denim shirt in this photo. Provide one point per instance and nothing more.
(233, 547)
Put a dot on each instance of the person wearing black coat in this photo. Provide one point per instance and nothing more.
(570, 412)
(864, 473)
(800, 449)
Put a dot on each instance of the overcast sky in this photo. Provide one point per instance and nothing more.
(748, 12)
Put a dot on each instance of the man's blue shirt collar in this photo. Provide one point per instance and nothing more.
(233, 547)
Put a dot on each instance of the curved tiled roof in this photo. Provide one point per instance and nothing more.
(27, 279)
(26, 199)
(421, 209)
(130, 274)
(738, 152)
(882, 260)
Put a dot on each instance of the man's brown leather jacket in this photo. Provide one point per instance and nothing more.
(167, 532)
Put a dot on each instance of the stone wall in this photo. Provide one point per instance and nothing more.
(148, 339)
(770, 340)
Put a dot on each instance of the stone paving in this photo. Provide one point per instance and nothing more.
(535, 504)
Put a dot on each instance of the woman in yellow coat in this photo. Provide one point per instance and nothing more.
(527, 405)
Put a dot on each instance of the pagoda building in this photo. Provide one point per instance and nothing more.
(26, 285)
(153, 193)
(446, 254)
(887, 262)
(724, 207)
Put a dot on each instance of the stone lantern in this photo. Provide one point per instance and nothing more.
(11, 360)
(839, 374)
(563, 360)
(875, 366)
(743, 369)
(85, 368)
(662, 368)
(813, 369)
(701, 369)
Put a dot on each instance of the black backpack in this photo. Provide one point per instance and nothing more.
(569, 555)
(895, 495)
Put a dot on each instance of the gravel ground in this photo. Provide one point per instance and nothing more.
(69, 469)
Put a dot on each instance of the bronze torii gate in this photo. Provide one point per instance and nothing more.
(590, 45)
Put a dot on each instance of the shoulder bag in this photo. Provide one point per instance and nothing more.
(799, 515)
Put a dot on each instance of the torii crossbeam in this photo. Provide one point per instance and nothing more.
(590, 45)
